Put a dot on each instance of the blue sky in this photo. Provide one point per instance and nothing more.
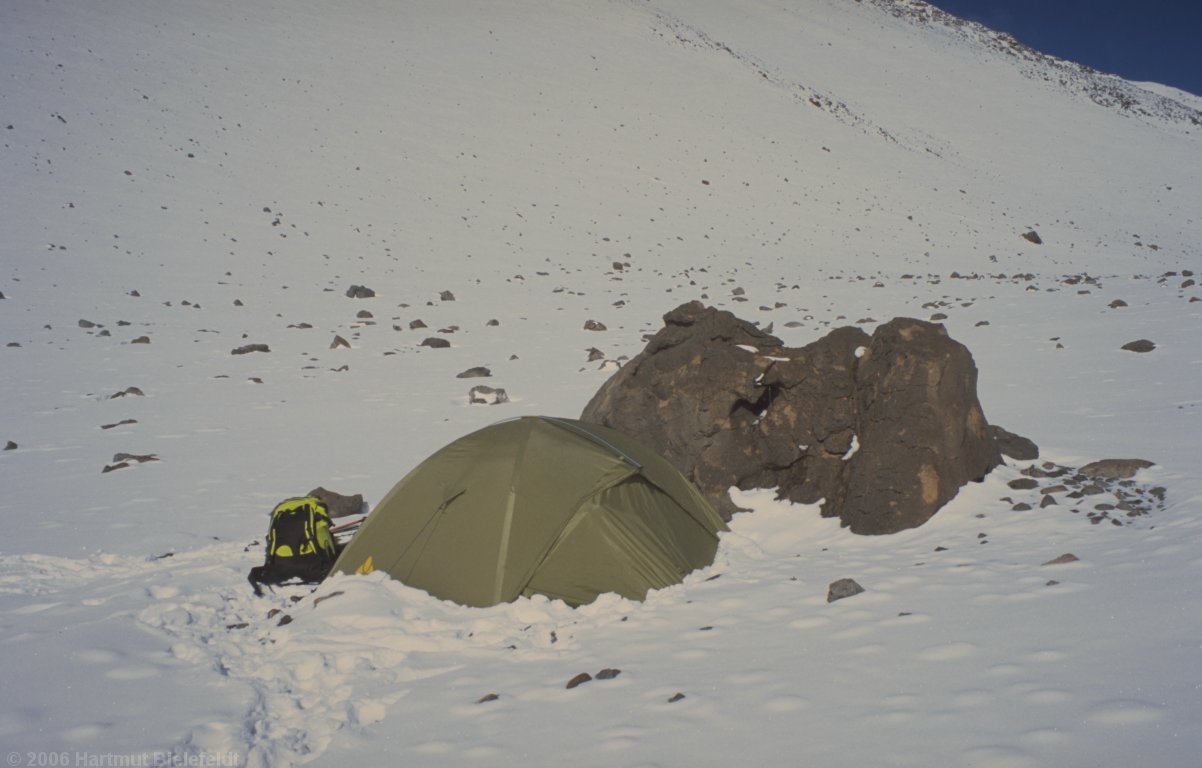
(1157, 40)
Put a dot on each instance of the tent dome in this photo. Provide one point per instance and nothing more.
(538, 505)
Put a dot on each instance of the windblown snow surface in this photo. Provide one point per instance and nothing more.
(182, 179)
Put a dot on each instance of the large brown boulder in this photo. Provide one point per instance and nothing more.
(884, 428)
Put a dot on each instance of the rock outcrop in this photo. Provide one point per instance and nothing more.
(885, 429)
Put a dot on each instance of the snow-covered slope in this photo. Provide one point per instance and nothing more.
(182, 180)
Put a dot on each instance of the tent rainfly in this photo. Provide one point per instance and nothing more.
(538, 505)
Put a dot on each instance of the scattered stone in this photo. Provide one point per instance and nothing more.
(1117, 303)
(477, 372)
(1139, 345)
(1067, 557)
(87, 324)
(10, 446)
(121, 423)
(339, 342)
(363, 314)
(416, 324)
(493, 323)
(593, 325)
(1022, 506)
(141, 340)
(608, 673)
(285, 620)
(359, 292)
(248, 348)
(114, 467)
(446, 296)
(127, 391)
(841, 589)
(139, 458)
(1033, 237)
(595, 354)
(487, 698)
(482, 395)
(676, 697)
(435, 342)
(1115, 469)
(583, 677)
(1023, 483)
(319, 600)
(1048, 501)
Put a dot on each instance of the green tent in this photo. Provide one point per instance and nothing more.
(538, 505)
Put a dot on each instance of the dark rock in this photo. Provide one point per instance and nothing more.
(87, 324)
(338, 504)
(10, 446)
(595, 354)
(446, 296)
(121, 423)
(1022, 506)
(608, 674)
(1033, 237)
(478, 372)
(319, 600)
(416, 324)
(435, 342)
(886, 428)
(1048, 501)
(1117, 303)
(248, 348)
(1023, 483)
(1015, 446)
(583, 677)
(363, 314)
(676, 697)
(141, 340)
(1139, 345)
(841, 589)
(593, 325)
(1115, 469)
(339, 342)
(487, 698)
(1067, 557)
(359, 292)
(127, 391)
